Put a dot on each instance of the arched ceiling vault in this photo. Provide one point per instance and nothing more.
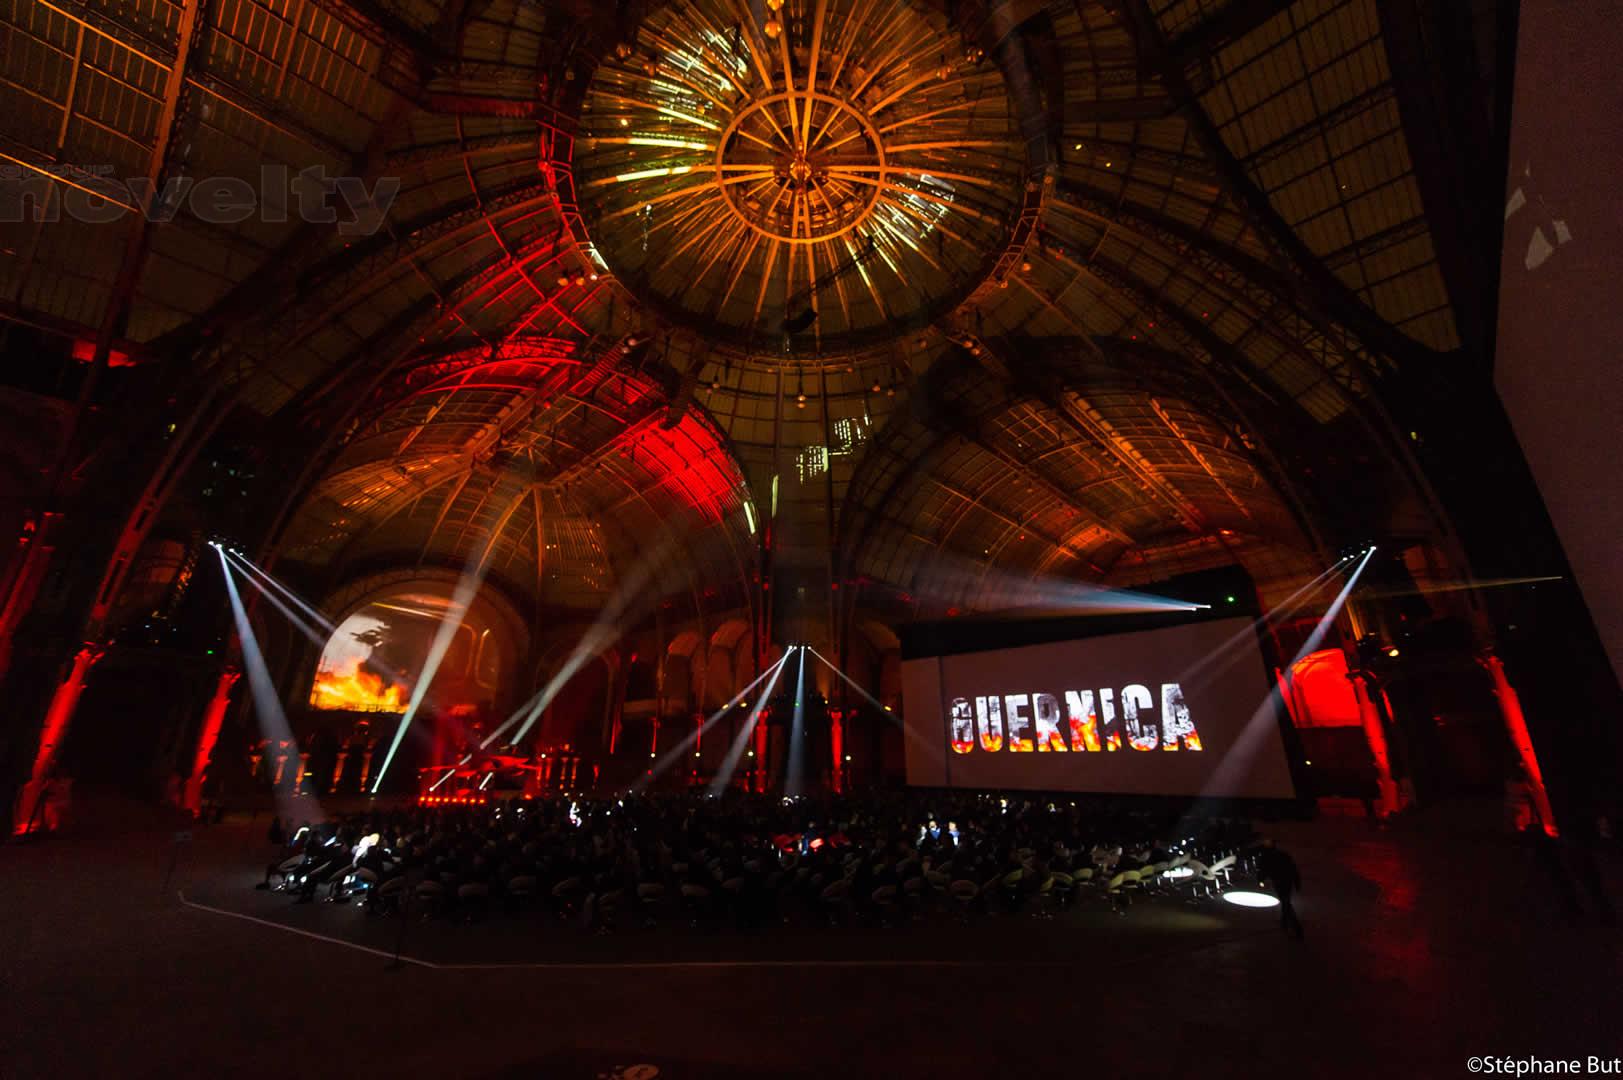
(558, 471)
(1095, 468)
(1229, 183)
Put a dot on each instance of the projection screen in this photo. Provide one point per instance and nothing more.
(1184, 710)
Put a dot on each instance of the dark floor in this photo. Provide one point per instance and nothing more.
(1428, 943)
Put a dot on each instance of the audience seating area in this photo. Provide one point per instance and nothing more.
(690, 860)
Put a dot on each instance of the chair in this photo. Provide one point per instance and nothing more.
(285, 871)
(608, 909)
(473, 897)
(521, 890)
(1113, 891)
(651, 897)
(387, 897)
(430, 897)
(1060, 889)
(567, 895)
(1012, 889)
(884, 902)
(834, 899)
(695, 902)
(964, 894)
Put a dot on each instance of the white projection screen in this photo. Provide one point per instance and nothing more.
(1185, 710)
(1560, 325)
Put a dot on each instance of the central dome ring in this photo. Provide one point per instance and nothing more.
(767, 152)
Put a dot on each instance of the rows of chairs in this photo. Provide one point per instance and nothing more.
(765, 890)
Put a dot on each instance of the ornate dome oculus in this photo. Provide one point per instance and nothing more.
(849, 174)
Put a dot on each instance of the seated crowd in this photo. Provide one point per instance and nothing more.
(751, 860)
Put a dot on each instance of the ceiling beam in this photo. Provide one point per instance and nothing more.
(1222, 27)
(1120, 110)
(1379, 336)
(974, 430)
(458, 103)
(1253, 276)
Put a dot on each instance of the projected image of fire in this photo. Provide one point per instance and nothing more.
(354, 687)
(361, 669)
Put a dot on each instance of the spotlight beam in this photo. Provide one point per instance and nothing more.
(1289, 604)
(603, 632)
(1319, 631)
(312, 624)
(997, 593)
(537, 703)
(1250, 738)
(670, 756)
(467, 587)
(792, 784)
(730, 764)
(311, 614)
(267, 704)
(298, 621)
(875, 702)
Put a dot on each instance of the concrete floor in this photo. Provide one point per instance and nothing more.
(1428, 943)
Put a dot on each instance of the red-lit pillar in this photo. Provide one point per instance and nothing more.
(760, 751)
(836, 739)
(213, 717)
(1375, 734)
(22, 584)
(1510, 706)
(366, 762)
(338, 768)
(32, 811)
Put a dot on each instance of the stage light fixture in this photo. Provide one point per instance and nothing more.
(1247, 898)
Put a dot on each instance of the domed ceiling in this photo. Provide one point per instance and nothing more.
(836, 168)
(797, 213)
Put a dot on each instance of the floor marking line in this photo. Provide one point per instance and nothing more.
(671, 965)
(303, 933)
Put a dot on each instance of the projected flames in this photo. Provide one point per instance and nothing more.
(377, 657)
(353, 672)
(1026, 722)
(354, 687)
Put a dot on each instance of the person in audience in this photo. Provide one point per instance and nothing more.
(778, 856)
